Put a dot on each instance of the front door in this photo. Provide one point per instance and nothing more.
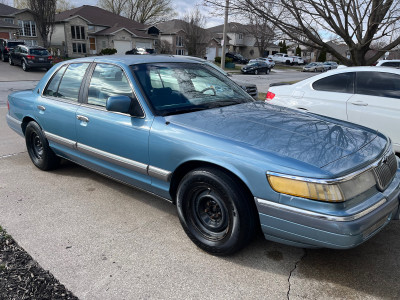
(92, 45)
(114, 144)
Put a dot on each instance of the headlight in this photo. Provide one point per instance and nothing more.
(336, 190)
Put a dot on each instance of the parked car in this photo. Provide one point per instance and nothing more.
(255, 67)
(6, 46)
(250, 88)
(30, 57)
(369, 96)
(267, 60)
(237, 58)
(395, 63)
(314, 67)
(298, 60)
(330, 65)
(282, 58)
(184, 132)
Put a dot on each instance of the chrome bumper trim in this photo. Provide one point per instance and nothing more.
(312, 214)
(159, 173)
(14, 120)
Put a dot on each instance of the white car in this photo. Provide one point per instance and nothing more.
(369, 96)
(395, 63)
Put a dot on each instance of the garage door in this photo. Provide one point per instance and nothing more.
(122, 46)
(144, 45)
(211, 53)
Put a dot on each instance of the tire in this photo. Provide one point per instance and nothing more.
(267, 71)
(10, 61)
(24, 66)
(315, 70)
(3, 58)
(215, 211)
(255, 72)
(38, 148)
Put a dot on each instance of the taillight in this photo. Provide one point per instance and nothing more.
(7, 48)
(270, 96)
(50, 57)
(30, 57)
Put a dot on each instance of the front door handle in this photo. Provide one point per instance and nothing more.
(41, 107)
(359, 103)
(82, 118)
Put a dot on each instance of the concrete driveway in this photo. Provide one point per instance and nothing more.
(15, 73)
(105, 240)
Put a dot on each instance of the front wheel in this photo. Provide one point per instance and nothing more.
(255, 72)
(38, 148)
(10, 61)
(267, 71)
(215, 211)
(3, 58)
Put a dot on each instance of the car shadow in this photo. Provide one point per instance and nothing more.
(372, 268)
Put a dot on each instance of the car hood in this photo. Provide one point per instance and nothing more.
(329, 144)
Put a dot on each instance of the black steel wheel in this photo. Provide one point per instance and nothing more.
(215, 211)
(38, 148)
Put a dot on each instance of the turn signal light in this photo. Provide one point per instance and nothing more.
(270, 96)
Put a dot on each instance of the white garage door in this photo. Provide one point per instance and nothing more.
(122, 46)
(211, 53)
(144, 45)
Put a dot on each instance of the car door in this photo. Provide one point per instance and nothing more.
(112, 143)
(326, 96)
(15, 53)
(57, 105)
(376, 103)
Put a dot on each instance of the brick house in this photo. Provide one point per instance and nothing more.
(86, 30)
(18, 24)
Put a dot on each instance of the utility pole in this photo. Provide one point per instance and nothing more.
(224, 37)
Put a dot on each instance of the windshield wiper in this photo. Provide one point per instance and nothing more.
(223, 103)
(183, 111)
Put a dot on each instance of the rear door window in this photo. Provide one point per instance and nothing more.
(52, 87)
(339, 83)
(380, 84)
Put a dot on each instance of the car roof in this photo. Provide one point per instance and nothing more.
(137, 59)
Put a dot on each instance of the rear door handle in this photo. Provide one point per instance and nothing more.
(41, 107)
(359, 103)
(82, 118)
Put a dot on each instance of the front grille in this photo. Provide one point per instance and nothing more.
(251, 90)
(385, 171)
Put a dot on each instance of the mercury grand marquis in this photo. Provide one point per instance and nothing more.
(180, 130)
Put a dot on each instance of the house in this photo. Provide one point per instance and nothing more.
(173, 35)
(18, 24)
(86, 30)
(240, 40)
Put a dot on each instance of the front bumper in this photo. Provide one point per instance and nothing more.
(307, 229)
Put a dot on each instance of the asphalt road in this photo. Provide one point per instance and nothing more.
(104, 240)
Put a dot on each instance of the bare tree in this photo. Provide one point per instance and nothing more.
(115, 6)
(196, 36)
(164, 47)
(21, 4)
(63, 5)
(263, 33)
(44, 13)
(357, 23)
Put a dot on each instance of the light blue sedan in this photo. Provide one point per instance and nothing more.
(184, 132)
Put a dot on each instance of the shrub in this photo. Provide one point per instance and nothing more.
(227, 59)
(108, 51)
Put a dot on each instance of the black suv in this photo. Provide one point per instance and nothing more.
(30, 57)
(6, 46)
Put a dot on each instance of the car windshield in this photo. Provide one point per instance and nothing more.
(174, 88)
(14, 44)
(311, 65)
(39, 52)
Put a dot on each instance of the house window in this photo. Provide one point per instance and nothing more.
(180, 52)
(9, 20)
(179, 41)
(240, 36)
(31, 42)
(78, 48)
(91, 28)
(103, 44)
(78, 32)
(26, 28)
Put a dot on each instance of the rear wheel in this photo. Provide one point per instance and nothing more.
(255, 72)
(38, 148)
(215, 211)
(10, 61)
(24, 66)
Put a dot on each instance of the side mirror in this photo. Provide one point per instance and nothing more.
(124, 104)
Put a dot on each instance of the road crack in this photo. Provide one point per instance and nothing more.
(291, 271)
